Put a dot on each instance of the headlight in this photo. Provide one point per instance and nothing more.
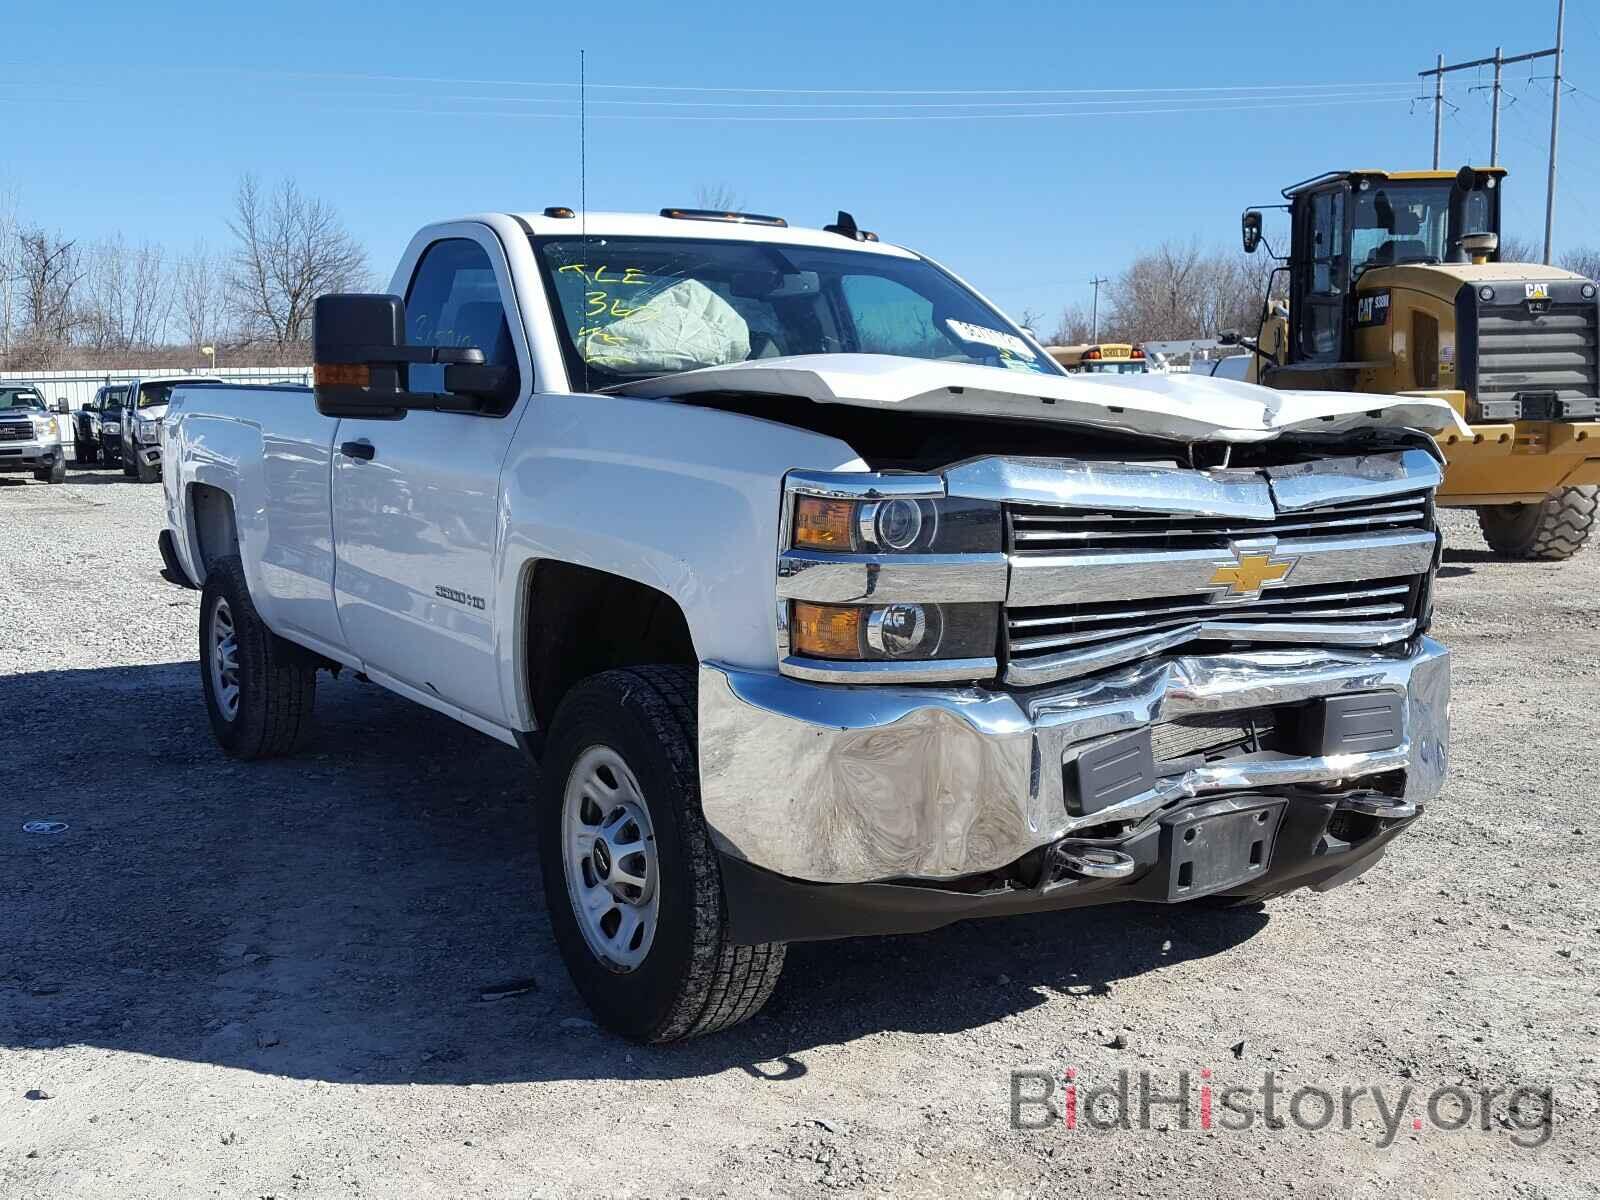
(110, 424)
(896, 526)
(146, 429)
(1486, 293)
(44, 428)
(893, 632)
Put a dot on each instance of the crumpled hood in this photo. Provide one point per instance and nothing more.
(1181, 407)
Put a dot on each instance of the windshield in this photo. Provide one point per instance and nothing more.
(1409, 223)
(152, 394)
(631, 308)
(14, 398)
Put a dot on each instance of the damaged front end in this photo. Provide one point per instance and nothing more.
(1031, 683)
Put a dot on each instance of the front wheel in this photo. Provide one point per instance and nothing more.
(1554, 529)
(145, 472)
(630, 877)
(56, 472)
(259, 689)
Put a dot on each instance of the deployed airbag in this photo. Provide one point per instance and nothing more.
(684, 328)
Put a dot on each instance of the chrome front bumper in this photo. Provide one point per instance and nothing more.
(833, 783)
(29, 455)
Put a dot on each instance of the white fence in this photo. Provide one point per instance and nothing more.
(79, 387)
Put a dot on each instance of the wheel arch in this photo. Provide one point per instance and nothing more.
(575, 621)
(214, 527)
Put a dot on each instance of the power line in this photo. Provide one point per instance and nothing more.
(762, 91)
(983, 116)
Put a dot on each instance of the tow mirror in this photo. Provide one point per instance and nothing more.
(62, 406)
(1228, 337)
(362, 364)
(1250, 226)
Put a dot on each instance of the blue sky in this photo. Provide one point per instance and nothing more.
(139, 118)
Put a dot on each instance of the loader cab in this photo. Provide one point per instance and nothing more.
(1346, 224)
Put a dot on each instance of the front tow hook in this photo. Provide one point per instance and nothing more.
(1094, 862)
(1385, 807)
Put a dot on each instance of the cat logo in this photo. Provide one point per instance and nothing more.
(1536, 291)
(1373, 309)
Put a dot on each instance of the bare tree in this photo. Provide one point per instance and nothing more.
(1517, 249)
(50, 269)
(1585, 260)
(291, 249)
(10, 269)
(1075, 328)
(718, 197)
(127, 296)
(200, 296)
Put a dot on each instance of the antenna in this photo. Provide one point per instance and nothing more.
(583, 184)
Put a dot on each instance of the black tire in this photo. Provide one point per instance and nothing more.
(1554, 529)
(693, 980)
(55, 473)
(128, 461)
(82, 453)
(145, 472)
(276, 680)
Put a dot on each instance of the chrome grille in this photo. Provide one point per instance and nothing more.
(1032, 632)
(1037, 529)
(1552, 352)
(1332, 553)
(13, 431)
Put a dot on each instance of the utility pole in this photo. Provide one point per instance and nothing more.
(1094, 310)
(1494, 120)
(1555, 127)
(1499, 61)
(1438, 109)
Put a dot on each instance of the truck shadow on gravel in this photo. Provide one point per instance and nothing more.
(339, 916)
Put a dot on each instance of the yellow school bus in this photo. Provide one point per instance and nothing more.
(1106, 358)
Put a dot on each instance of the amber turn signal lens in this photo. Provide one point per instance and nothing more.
(825, 630)
(342, 375)
(823, 524)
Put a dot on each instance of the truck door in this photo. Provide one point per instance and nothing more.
(415, 501)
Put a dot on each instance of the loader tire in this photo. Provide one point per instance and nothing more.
(1554, 529)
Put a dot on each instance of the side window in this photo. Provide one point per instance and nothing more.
(891, 319)
(454, 300)
(1327, 242)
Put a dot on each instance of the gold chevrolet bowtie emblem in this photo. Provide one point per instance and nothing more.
(1253, 572)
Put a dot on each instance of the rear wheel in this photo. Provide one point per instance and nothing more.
(630, 878)
(1554, 529)
(83, 453)
(259, 689)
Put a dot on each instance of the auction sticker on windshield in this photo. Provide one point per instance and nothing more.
(983, 336)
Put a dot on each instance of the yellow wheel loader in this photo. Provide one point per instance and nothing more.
(1395, 286)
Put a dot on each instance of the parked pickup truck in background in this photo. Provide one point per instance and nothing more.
(30, 439)
(829, 604)
(131, 424)
(88, 444)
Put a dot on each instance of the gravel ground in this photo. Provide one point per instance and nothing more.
(268, 980)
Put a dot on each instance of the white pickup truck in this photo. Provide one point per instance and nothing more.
(826, 602)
